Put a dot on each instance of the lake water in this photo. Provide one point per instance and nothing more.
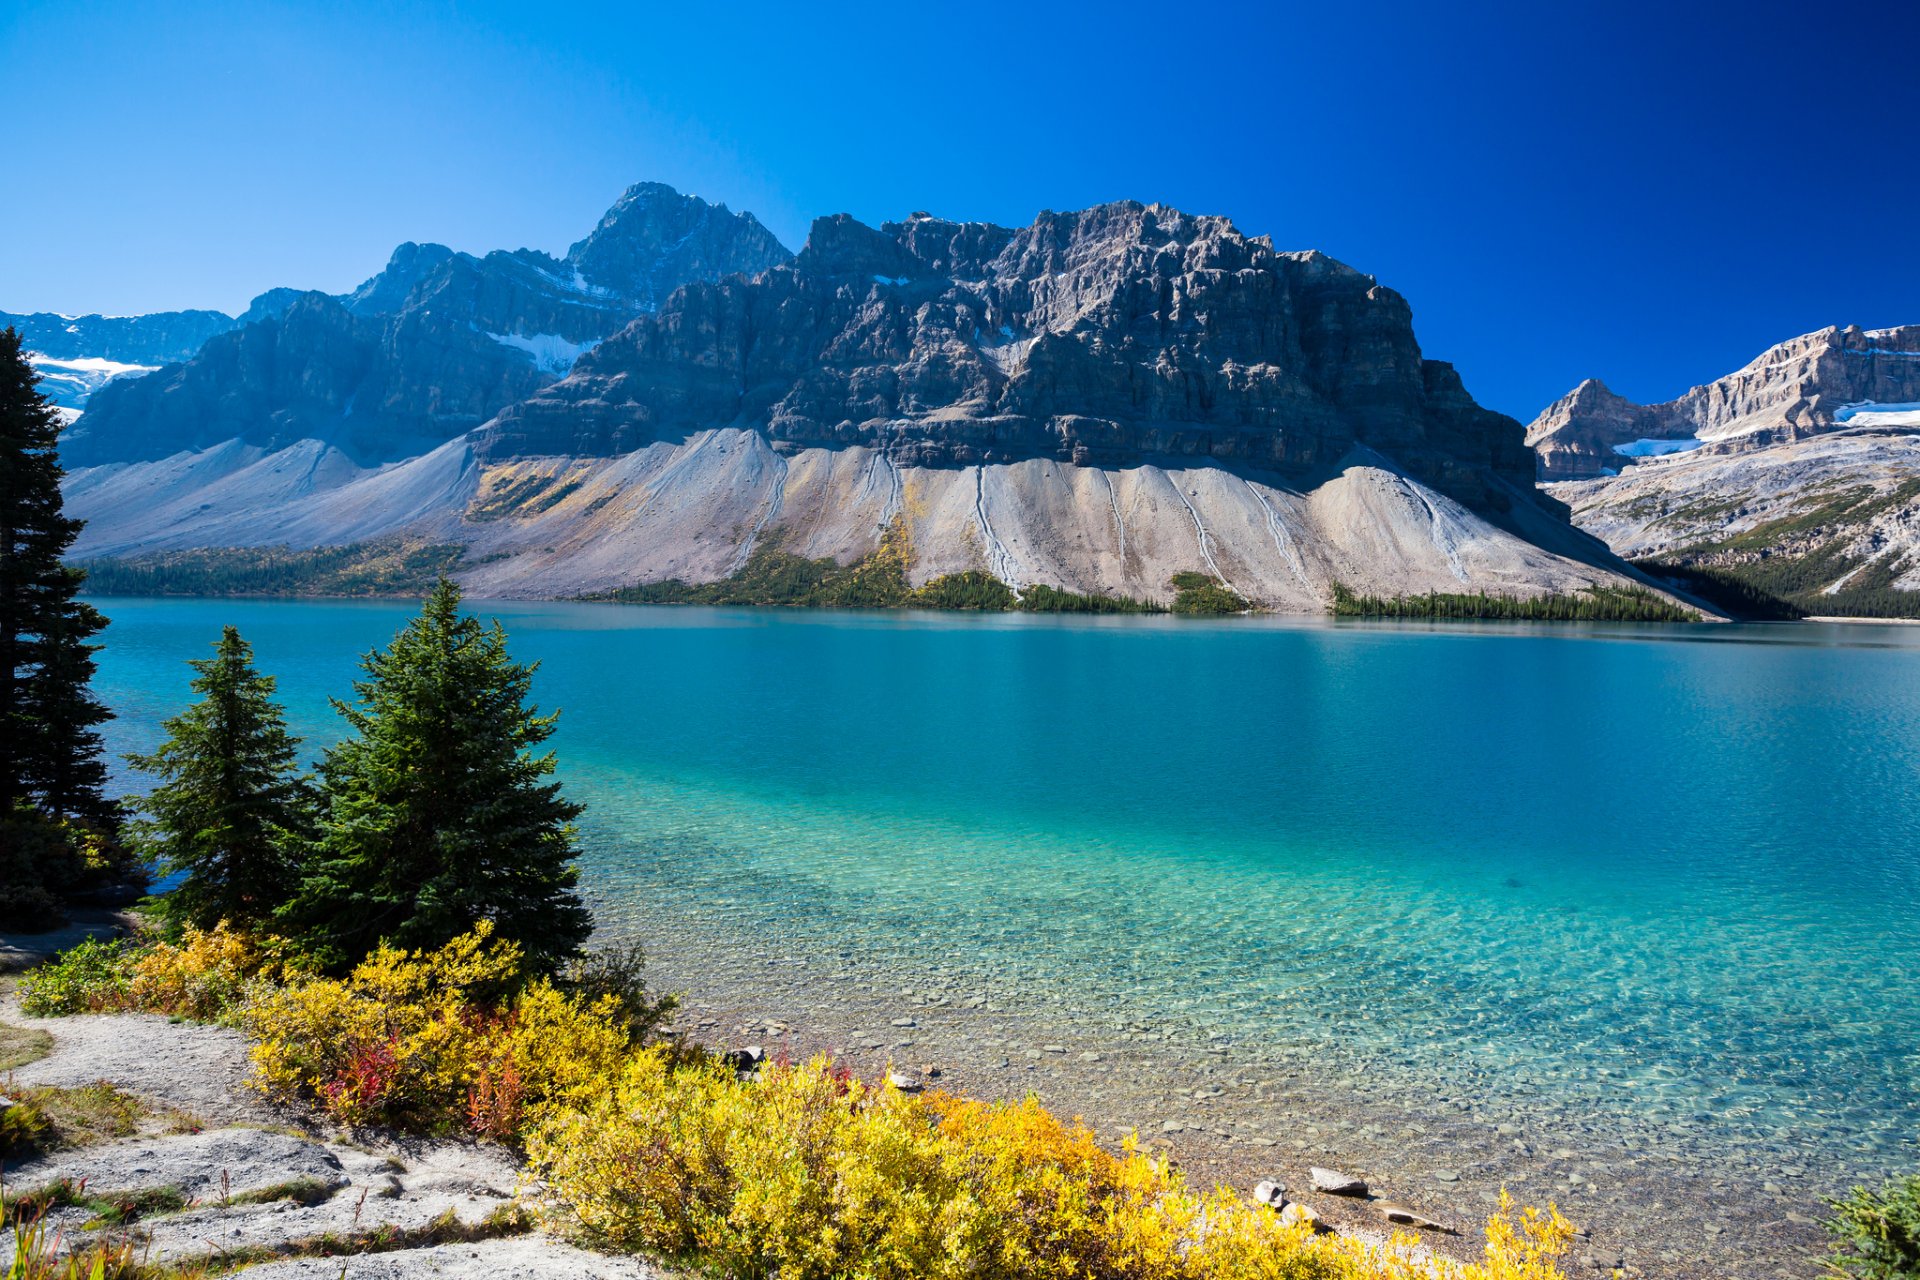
(1662, 877)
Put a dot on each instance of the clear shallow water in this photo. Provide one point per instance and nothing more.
(1659, 877)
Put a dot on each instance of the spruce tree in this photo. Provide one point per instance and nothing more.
(437, 813)
(231, 811)
(49, 748)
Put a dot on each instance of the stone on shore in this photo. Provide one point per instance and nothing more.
(1401, 1216)
(1334, 1183)
(1296, 1213)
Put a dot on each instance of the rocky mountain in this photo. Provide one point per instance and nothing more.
(1096, 401)
(431, 347)
(1798, 475)
(1808, 385)
(1122, 332)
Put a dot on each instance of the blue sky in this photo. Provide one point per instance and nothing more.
(1648, 193)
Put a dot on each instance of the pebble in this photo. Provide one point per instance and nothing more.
(1270, 1192)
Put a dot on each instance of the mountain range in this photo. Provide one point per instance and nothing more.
(1097, 401)
(1797, 475)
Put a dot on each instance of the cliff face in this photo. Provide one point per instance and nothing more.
(1794, 390)
(1123, 332)
(431, 347)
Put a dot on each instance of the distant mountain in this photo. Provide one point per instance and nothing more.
(1815, 383)
(1798, 474)
(1097, 401)
(157, 339)
(77, 355)
(431, 347)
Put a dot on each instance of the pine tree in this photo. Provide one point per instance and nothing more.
(436, 814)
(49, 749)
(232, 811)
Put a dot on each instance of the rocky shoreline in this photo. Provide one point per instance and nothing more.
(1231, 1112)
(1226, 1112)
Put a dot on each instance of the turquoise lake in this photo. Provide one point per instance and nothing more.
(1668, 875)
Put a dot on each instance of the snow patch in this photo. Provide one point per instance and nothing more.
(1644, 448)
(889, 279)
(548, 351)
(90, 364)
(69, 383)
(1867, 413)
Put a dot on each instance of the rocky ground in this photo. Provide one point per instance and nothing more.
(248, 1183)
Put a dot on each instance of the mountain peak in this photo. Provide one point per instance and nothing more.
(654, 237)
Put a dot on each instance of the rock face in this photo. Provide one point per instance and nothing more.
(429, 348)
(1800, 475)
(1803, 387)
(1103, 337)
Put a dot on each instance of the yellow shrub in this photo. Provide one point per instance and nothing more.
(206, 975)
(421, 1038)
(806, 1174)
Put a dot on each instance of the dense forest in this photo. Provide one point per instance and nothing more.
(1594, 604)
(392, 568)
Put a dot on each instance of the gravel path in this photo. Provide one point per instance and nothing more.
(199, 1069)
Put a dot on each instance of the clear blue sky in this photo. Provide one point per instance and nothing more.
(1649, 193)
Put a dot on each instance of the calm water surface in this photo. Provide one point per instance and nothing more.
(1663, 875)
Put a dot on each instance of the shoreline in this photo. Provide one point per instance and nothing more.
(1228, 1114)
(1275, 615)
(1219, 1109)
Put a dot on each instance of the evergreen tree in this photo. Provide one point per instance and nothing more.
(232, 811)
(49, 749)
(436, 813)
